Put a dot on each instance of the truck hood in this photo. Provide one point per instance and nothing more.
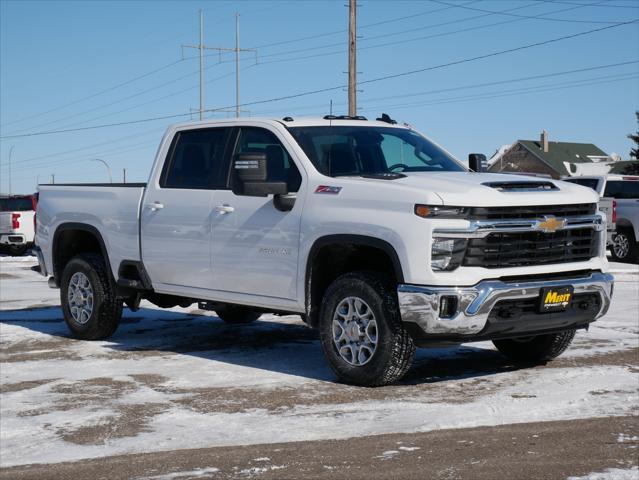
(492, 189)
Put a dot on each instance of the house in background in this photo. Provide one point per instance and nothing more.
(555, 159)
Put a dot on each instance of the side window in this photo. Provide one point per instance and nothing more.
(196, 160)
(280, 166)
(620, 189)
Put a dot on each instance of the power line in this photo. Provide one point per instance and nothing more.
(424, 37)
(522, 16)
(328, 89)
(501, 52)
(605, 4)
(139, 77)
(480, 85)
(335, 32)
(529, 89)
(87, 147)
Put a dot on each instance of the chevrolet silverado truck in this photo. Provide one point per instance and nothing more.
(17, 223)
(373, 234)
(623, 192)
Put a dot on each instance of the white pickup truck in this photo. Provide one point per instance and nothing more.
(622, 193)
(372, 233)
(17, 223)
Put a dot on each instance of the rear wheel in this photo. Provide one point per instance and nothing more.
(361, 331)
(91, 309)
(535, 350)
(235, 314)
(624, 246)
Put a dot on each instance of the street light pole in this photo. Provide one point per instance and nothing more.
(10, 152)
(106, 165)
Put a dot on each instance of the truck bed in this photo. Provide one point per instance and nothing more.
(110, 208)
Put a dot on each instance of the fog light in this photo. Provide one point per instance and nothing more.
(447, 306)
(447, 253)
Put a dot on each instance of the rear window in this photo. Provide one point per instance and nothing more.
(585, 182)
(16, 204)
(622, 189)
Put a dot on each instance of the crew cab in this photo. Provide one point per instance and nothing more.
(17, 223)
(372, 233)
(623, 192)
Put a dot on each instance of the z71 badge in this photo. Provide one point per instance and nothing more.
(328, 189)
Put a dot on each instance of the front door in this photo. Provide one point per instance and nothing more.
(177, 211)
(255, 246)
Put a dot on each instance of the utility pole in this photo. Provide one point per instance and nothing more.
(201, 47)
(237, 65)
(352, 60)
(53, 178)
(124, 175)
(10, 152)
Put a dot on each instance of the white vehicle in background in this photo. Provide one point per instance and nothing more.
(17, 223)
(372, 233)
(624, 189)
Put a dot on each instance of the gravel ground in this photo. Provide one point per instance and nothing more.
(178, 394)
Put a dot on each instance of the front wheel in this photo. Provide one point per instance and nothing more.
(90, 307)
(538, 349)
(361, 331)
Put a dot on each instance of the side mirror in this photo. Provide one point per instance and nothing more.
(250, 174)
(285, 203)
(477, 162)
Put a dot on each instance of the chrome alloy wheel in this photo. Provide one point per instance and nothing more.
(621, 245)
(355, 331)
(80, 298)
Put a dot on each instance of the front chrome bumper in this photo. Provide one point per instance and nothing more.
(420, 304)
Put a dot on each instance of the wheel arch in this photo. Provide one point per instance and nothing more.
(72, 238)
(351, 250)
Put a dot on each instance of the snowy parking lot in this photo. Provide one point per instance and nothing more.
(178, 394)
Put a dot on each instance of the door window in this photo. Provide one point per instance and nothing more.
(280, 166)
(196, 160)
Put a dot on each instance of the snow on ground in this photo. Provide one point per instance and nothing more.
(611, 474)
(182, 379)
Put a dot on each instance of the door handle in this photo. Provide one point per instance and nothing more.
(224, 209)
(155, 206)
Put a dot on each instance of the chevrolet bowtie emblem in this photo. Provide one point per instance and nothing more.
(550, 224)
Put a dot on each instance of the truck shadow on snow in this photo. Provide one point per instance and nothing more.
(281, 345)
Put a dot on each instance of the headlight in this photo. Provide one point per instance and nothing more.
(429, 211)
(447, 253)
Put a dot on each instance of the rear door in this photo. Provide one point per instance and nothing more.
(255, 246)
(177, 209)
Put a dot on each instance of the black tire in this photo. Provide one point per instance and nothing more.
(394, 351)
(624, 246)
(106, 307)
(237, 315)
(535, 350)
(17, 250)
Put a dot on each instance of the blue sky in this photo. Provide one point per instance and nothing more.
(69, 65)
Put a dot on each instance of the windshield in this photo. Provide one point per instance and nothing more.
(355, 151)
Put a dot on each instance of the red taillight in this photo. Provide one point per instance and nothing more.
(15, 221)
(614, 211)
